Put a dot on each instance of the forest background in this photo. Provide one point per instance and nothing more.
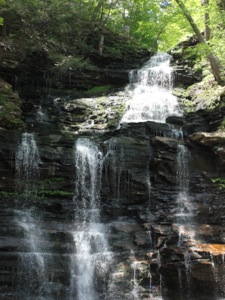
(64, 30)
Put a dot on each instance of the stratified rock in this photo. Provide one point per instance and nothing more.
(208, 139)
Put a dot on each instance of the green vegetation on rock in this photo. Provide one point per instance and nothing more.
(46, 188)
(5, 194)
(10, 112)
(206, 94)
(98, 90)
(222, 124)
(220, 181)
(53, 193)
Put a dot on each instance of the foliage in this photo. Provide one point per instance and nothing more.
(69, 31)
(63, 26)
(98, 90)
(222, 124)
(5, 194)
(207, 49)
(52, 187)
(54, 193)
(46, 188)
(220, 181)
(1, 19)
(10, 113)
(64, 63)
(217, 25)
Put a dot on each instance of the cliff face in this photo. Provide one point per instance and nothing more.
(161, 196)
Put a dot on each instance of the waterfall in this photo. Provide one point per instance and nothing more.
(91, 258)
(42, 115)
(135, 290)
(30, 260)
(184, 206)
(31, 265)
(149, 92)
(110, 163)
(114, 164)
(27, 164)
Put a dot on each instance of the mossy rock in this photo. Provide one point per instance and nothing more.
(206, 95)
(99, 90)
(10, 108)
(101, 113)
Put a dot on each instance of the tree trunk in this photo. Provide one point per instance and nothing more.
(207, 20)
(223, 4)
(216, 68)
(213, 60)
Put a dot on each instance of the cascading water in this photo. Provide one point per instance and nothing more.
(149, 98)
(184, 206)
(31, 261)
(135, 290)
(149, 92)
(184, 217)
(42, 115)
(27, 164)
(31, 265)
(91, 258)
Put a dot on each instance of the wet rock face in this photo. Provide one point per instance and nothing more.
(139, 192)
(141, 198)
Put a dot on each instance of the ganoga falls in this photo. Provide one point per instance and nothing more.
(114, 197)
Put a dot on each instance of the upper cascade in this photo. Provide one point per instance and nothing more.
(149, 94)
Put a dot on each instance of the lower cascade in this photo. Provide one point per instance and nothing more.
(31, 263)
(91, 259)
(184, 205)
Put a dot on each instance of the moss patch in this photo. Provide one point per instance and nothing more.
(10, 112)
(98, 90)
(54, 193)
(220, 181)
(94, 114)
(206, 95)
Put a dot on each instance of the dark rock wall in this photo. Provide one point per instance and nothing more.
(139, 202)
(139, 193)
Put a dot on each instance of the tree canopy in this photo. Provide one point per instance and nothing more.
(62, 28)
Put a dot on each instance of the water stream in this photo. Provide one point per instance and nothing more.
(91, 259)
(31, 264)
(27, 164)
(31, 267)
(184, 214)
(149, 94)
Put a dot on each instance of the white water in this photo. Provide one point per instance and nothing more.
(91, 258)
(31, 262)
(27, 163)
(135, 290)
(184, 213)
(31, 265)
(42, 115)
(149, 96)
